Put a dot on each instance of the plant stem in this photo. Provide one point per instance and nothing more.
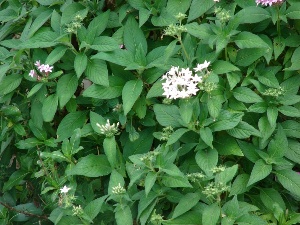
(183, 48)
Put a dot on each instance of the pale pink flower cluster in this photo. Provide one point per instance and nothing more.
(269, 2)
(45, 69)
(182, 83)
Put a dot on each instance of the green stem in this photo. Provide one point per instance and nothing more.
(183, 48)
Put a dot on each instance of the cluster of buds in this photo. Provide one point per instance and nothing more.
(118, 190)
(107, 129)
(77, 211)
(44, 70)
(269, 2)
(193, 177)
(214, 189)
(166, 133)
(218, 169)
(74, 25)
(156, 219)
(182, 83)
(275, 92)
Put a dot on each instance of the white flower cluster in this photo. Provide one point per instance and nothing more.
(107, 129)
(45, 69)
(117, 190)
(181, 83)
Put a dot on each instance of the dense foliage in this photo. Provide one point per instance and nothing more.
(150, 112)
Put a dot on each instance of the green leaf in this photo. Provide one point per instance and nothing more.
(134, 36)
(259, 171)
(249, 40)
(227, 145)
(176, 135)
(247, 56)
(93, 208)
(259, 107)
(293, 11)
(56, 55)
(91, 166)
(97, 26)
(55, 155)
(246, 95)
(14, 179)
(69, 123)
(39, 133)
(130, 93)
(123, 215)
(150, 181)
(141, 145)
(207, 159)
(186, 203)
(211, 214)
(42, 39)
(97, 72)
(101, 92)
(243, 130)
(279, 145)
(198, 8)
(110, 150)
(38, 22)
(290, 181)
(291, 128)
(249, 150)
(28, 143)
(173, 181)
(269, 196)
(189, 218)
(207, 136)
(221, 67)
(226, 175)
(35, 89)
(103, 44)
(10, 83)
(239, 185)
(96, 118)
(226, 121)
(80, 64)
(266, 129)
(66, 87)
(252, 14)
(289, 111)
(70, 11)
(156, 90)
(167, 115)
(49, 107)
(120, 57)
(272, 114)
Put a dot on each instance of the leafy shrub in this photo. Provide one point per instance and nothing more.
(150, 112)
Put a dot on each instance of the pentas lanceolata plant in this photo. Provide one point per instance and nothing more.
(181, 83)
(43, 69)
(269, 2)
(149, 112)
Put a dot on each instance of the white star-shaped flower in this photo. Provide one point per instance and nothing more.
(65, 189)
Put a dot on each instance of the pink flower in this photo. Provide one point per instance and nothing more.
(37, 63)
(32, 73)
(269, 2)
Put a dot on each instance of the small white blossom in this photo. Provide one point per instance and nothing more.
(65, 189)
(118, 189)
(107, 129)
(180, 83)
(202, 66)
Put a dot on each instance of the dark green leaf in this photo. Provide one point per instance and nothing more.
(91, 166)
